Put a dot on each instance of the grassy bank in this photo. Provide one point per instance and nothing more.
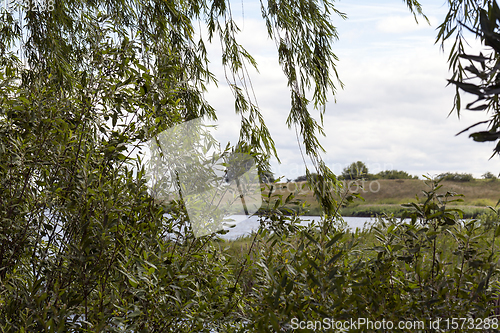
(398, 210)
(387, 196)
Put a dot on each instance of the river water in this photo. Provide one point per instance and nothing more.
(244, 225)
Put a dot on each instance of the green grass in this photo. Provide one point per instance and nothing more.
(372, 210)
(398, 210)
(239, 248)
(388, 195)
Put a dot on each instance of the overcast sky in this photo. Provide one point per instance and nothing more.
(393, 110)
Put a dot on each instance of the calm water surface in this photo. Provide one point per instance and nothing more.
(246, 225)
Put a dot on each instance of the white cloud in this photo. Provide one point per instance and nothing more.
(404, 24)
(393, 111)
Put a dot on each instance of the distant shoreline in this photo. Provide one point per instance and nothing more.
(396, 210)
(387, 198)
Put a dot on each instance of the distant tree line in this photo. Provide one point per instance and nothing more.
(455, 176)
(359, 170)
(303, 178)
(464, 177)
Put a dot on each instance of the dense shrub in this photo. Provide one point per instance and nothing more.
(394, 174)
(355, 170)
(432, 266)
(302, 178)
(455, 176)
(313, 176)
(489, 175)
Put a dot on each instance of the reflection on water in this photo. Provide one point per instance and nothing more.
(244, 225)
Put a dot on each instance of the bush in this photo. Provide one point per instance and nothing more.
(356, 170)
(434, 266)
(489, 175)
(302, 178)
(394, 174)
(455, 176)
(313, 175)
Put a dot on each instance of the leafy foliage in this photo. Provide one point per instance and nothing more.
(480, 77)
(429, 267)
(461, 14)
(84, 248)
(394, 174)
(489, 175)
(303, 178)
(355, 170)
(300, 178)
(455, 176)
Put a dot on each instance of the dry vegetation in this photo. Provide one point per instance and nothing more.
(389, 194)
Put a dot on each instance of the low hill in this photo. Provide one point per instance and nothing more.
(387, 195)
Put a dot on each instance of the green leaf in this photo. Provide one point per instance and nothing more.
(335, 238)
(468, 87)
(485, 136)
